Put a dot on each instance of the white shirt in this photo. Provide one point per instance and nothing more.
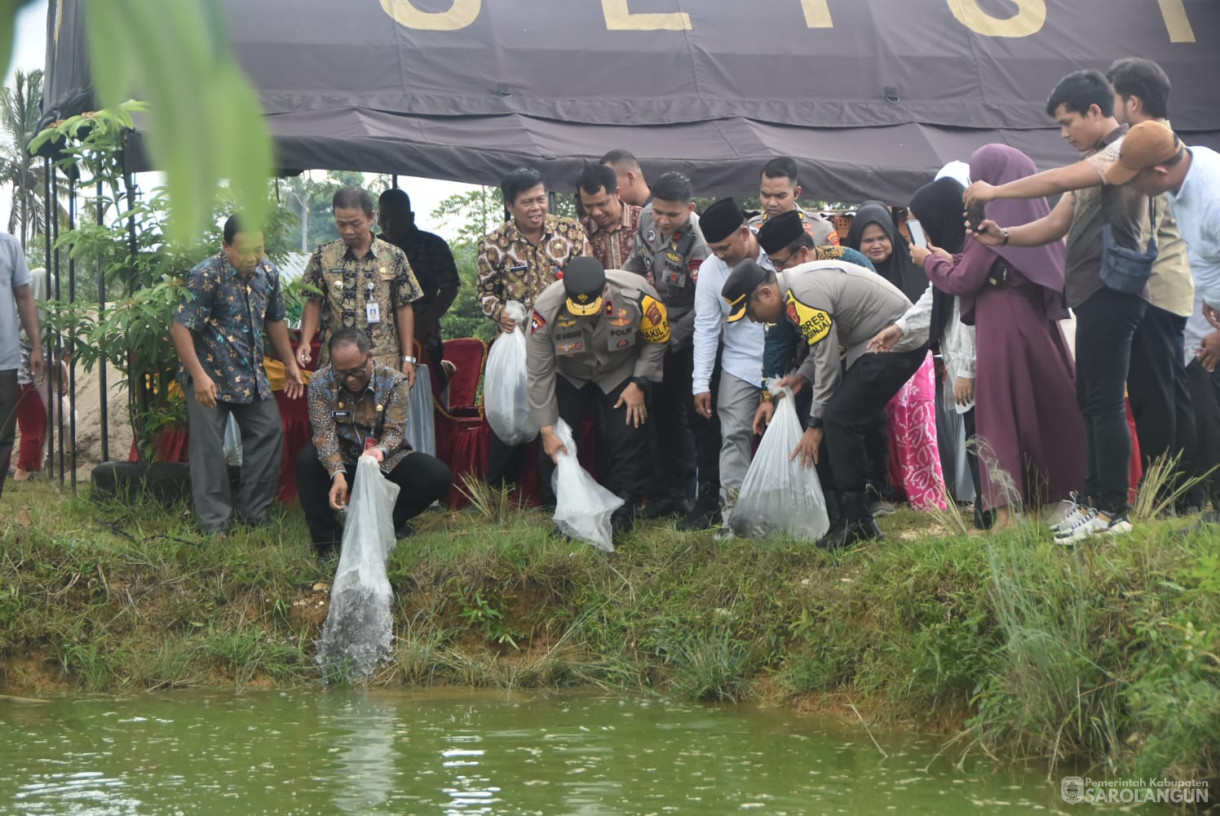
(743, 341)
(957, 344)
(1196, 205)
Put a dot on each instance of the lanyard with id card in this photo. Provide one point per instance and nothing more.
(372, 309)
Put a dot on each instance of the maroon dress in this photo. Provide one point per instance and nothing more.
(1031, 434)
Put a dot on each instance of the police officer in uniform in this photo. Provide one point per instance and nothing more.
(778, 190)
(836, 307)
(597, 339)
(669, 249)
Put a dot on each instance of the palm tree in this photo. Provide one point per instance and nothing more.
(19, 115)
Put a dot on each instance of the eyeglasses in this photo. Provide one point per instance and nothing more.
(781, 264)
(354, 373)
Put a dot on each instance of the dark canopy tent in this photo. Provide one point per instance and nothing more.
(871, 96)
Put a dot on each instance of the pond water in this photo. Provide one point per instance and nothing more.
(465, 752)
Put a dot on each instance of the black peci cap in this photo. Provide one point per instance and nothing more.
(721, 220)
(745, 278)
(780, 231)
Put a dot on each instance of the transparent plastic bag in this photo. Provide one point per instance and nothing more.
(505, 385)
(777, 494)
(359, 627)
(582, 506)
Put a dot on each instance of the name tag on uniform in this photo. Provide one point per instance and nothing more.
(518, 268)
(340, 414)
(372, 312)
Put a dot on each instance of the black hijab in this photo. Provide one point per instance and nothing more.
(898, 269)
(938, 208)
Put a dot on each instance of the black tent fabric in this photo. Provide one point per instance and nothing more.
(870, 96)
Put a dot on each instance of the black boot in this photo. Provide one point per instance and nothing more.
(706, 512)
(669, 506)
(622, 520)
(858, 524)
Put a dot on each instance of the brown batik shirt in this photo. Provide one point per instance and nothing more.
(344, 421)
(613, 246)
(347, 283)
(511, 267)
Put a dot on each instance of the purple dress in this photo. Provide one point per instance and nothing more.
(1031, 434)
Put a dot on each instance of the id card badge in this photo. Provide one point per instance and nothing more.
(372, 312)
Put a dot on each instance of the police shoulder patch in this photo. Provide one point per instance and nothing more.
(813, 324)
(654, 323)
(537, 321)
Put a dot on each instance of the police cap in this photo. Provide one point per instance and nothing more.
(584, 280)
(745, 278)
(721, 220)
(779, 231)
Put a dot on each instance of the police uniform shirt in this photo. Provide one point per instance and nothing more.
(673, 263)
(837, 308)
(822, 231)
(626, 339)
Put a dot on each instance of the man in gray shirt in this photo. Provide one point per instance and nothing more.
(836, 308)
(16, 304)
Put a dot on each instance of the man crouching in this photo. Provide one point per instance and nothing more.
(357, 405)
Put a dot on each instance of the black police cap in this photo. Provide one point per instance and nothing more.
(584, 280)
(745, 278)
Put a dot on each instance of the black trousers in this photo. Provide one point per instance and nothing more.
(624, 462)
(10, 394)
(421, 479)
(1204, 388)
(434, 352)
(1105, 326)
(868, 385)
(671, 412)
(1157, 388)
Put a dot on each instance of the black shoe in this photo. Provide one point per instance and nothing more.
(405, 531)
(622, 521)
(325, 553)
(702, 517)
(851, 533)
(669, 506)
(559, 534)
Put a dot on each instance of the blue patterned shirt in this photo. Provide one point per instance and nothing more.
(226, 313)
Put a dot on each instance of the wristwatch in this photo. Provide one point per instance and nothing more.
(814, 423)
(1005, 241)
(409, 359)
(640, 383)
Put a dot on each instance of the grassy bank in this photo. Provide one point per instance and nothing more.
(1106, 654)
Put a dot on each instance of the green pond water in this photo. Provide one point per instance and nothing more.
(464, 752)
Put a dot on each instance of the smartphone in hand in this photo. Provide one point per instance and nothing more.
(918, 238)
(975, 216)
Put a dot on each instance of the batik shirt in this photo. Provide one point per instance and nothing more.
(343, 422)
(511, 267)
(435, 270)
(347, 284)
(613, 246)
(226, 313)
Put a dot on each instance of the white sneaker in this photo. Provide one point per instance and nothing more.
(1075, 510)
(1096, 524)
(1076, 525)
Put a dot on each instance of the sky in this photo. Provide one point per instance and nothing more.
(29, 53)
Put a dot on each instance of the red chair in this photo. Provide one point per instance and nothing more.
(462, 435)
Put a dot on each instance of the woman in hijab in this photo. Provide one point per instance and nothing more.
(914, 461)
(1031, 433)
(938, 209)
